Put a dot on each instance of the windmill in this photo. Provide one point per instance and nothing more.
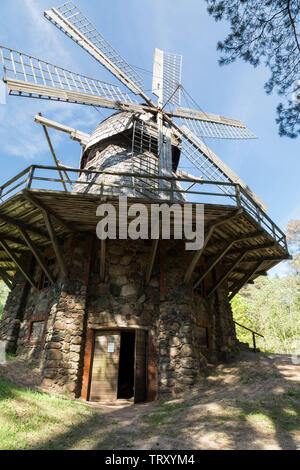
(27, 76)
(152, 311)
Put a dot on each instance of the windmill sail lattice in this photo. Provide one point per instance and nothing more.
(167, 73)
(69, 19)
(31, 77)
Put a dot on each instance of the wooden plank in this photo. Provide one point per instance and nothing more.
(152, 259)
(55, 243)
(37, 256)
(17, 262)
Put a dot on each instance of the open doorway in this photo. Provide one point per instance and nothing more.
(126, 365)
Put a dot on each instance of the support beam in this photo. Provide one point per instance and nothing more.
(259, 247)
(31, 198)
(102, 260)
(151, 260)
(53, 155)
(21, 225)
(7, 279)
(79, 136)
(55, 243)
(17, 262)
(210, 232)
(226, 274)
(37, 256)
(245, 279)
(225, 249)
(215, 261)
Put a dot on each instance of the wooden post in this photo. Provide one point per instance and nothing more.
(152, 259)
(37, 256)
(254, 343)
(54, 156)
(55, 243)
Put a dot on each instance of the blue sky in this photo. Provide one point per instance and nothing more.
(270, 165)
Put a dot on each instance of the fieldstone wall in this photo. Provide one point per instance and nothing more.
(13, 312)
(170, 311)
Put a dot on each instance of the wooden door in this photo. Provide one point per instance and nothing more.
(104, 383)
(140, 386)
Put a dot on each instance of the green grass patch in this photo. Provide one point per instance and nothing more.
(29, 418)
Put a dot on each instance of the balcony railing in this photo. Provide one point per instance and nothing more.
(194, 190)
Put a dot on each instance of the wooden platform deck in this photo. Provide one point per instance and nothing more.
(35, 219)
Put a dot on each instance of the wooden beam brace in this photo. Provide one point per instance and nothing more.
(244, 271)
(102, 260)
(21, 268)
(259, 247)
(245, 279)
(21, 225)
(55, 243)
(215, 261)
(151, 260)
(6, 278)
(226, 274)
(31, 198)
(198, 254)
(54, 155)
(226, 248)
(37, 256)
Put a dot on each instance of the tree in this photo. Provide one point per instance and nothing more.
(270, 307)
(293, 239)
(3, 295)
(266, 32)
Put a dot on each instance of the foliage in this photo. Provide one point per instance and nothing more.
(269, 32)
(270, 307)
(293, 239)
(3, 295)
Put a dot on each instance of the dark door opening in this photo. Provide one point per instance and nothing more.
(126, 365)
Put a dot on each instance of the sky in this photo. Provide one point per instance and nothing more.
(270, 165)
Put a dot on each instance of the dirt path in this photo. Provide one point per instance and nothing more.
(252, 403)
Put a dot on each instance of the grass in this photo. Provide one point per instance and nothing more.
(210, 416)
(28, 416)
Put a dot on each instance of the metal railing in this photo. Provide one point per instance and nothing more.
(192, 189)
(254, 333)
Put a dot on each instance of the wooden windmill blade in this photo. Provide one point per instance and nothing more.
(167, 71)
(212, 125)
(31, 77)
(71, 21)
(211, 167)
